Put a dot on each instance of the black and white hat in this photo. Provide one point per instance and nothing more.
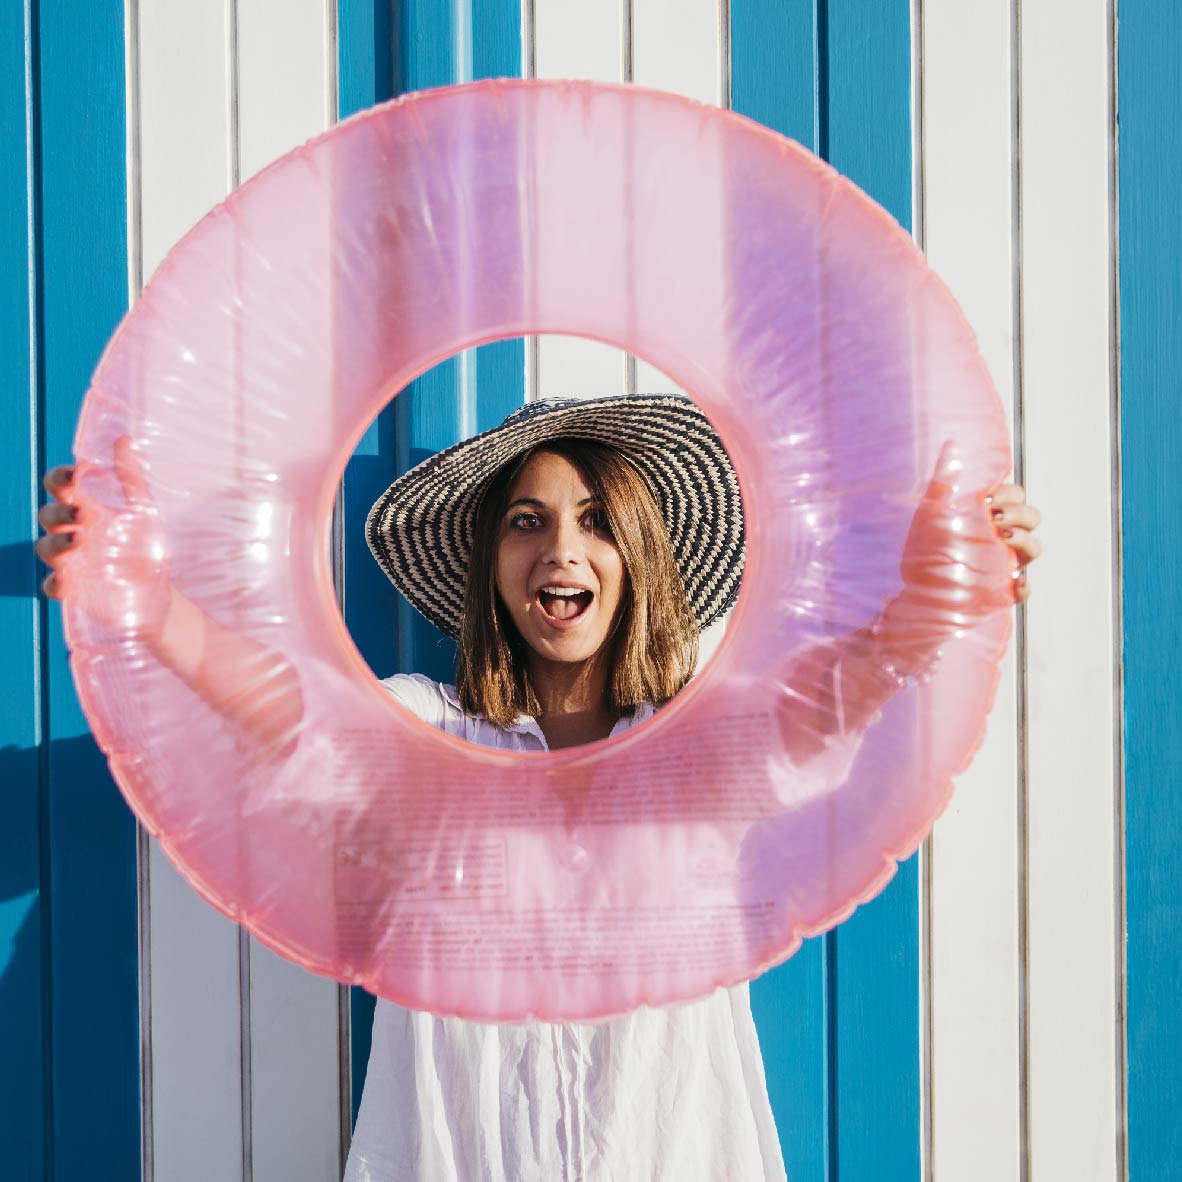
(420, 528)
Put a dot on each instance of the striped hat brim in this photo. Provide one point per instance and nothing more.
(420, 528)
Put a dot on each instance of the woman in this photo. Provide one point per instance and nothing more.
(577, 595)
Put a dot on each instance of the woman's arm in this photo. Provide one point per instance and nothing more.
(949, 580)
(252, 686)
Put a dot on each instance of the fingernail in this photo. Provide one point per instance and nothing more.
(1007, 533)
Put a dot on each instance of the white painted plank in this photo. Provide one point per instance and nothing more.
(283, 57)
(283, 78)
(194, 1114)
(578, 39)
(183, 118)
(196, 1122)
(294, 1099)
(676, 47)
(570, 367)
(1067, 314)
(975, 859)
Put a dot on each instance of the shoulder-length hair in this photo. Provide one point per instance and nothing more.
(654, 644)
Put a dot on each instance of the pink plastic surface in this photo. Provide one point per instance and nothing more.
(699, 848)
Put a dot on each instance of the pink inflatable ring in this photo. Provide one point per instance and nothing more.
(699, 848)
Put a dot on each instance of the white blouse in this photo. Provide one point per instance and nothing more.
(673, 1094)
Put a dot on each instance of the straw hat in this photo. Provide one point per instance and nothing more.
(420, 528)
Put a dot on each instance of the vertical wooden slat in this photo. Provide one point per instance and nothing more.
(428, 416)
(433, 45)
(773, 80)
(365, 67)
(976, 861)
(184, 124)
(437, 45)
(293, 1068)
(1150, 170)
(1067, 332)
(865, 61)
(293, 1046)
(25, 1081)
(497, 52)
(193, 1024)
(83, 210)
(282, 78)
(676, 47)
(575, 39)
(844, 92)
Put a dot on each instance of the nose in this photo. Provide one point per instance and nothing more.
(567, 543)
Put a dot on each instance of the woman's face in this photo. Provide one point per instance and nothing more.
(558, 570)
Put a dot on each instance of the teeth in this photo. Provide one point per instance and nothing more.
(564, 591)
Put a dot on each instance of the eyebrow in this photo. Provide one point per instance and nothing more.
(542, 504)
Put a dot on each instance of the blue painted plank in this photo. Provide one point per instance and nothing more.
(426, 44)
(866, 51)
(365, 55)
(432, 50)
(25, 1102)
(788, 1004)
(866, 61)
(1150, 183)
(774, 50)
(438, 45)
(773, 66)
(496, 53)
(839, 1023)
(365, 71)
(96, 1114)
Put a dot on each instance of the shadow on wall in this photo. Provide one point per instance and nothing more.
(17, 568)
(68, 940)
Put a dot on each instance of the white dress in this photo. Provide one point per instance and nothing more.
(662, 1095)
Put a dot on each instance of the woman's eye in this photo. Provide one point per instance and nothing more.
(525, 521)
(596, 521)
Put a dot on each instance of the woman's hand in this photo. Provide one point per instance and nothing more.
(253, 687)
(954, 573)
(58, 518)
(1015, 523)
(135, 587)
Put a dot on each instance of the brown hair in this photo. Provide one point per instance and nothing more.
(655, 641)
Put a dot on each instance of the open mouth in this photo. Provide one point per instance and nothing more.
(564, 604)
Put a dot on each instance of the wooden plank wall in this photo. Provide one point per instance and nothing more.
(968, 1024)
